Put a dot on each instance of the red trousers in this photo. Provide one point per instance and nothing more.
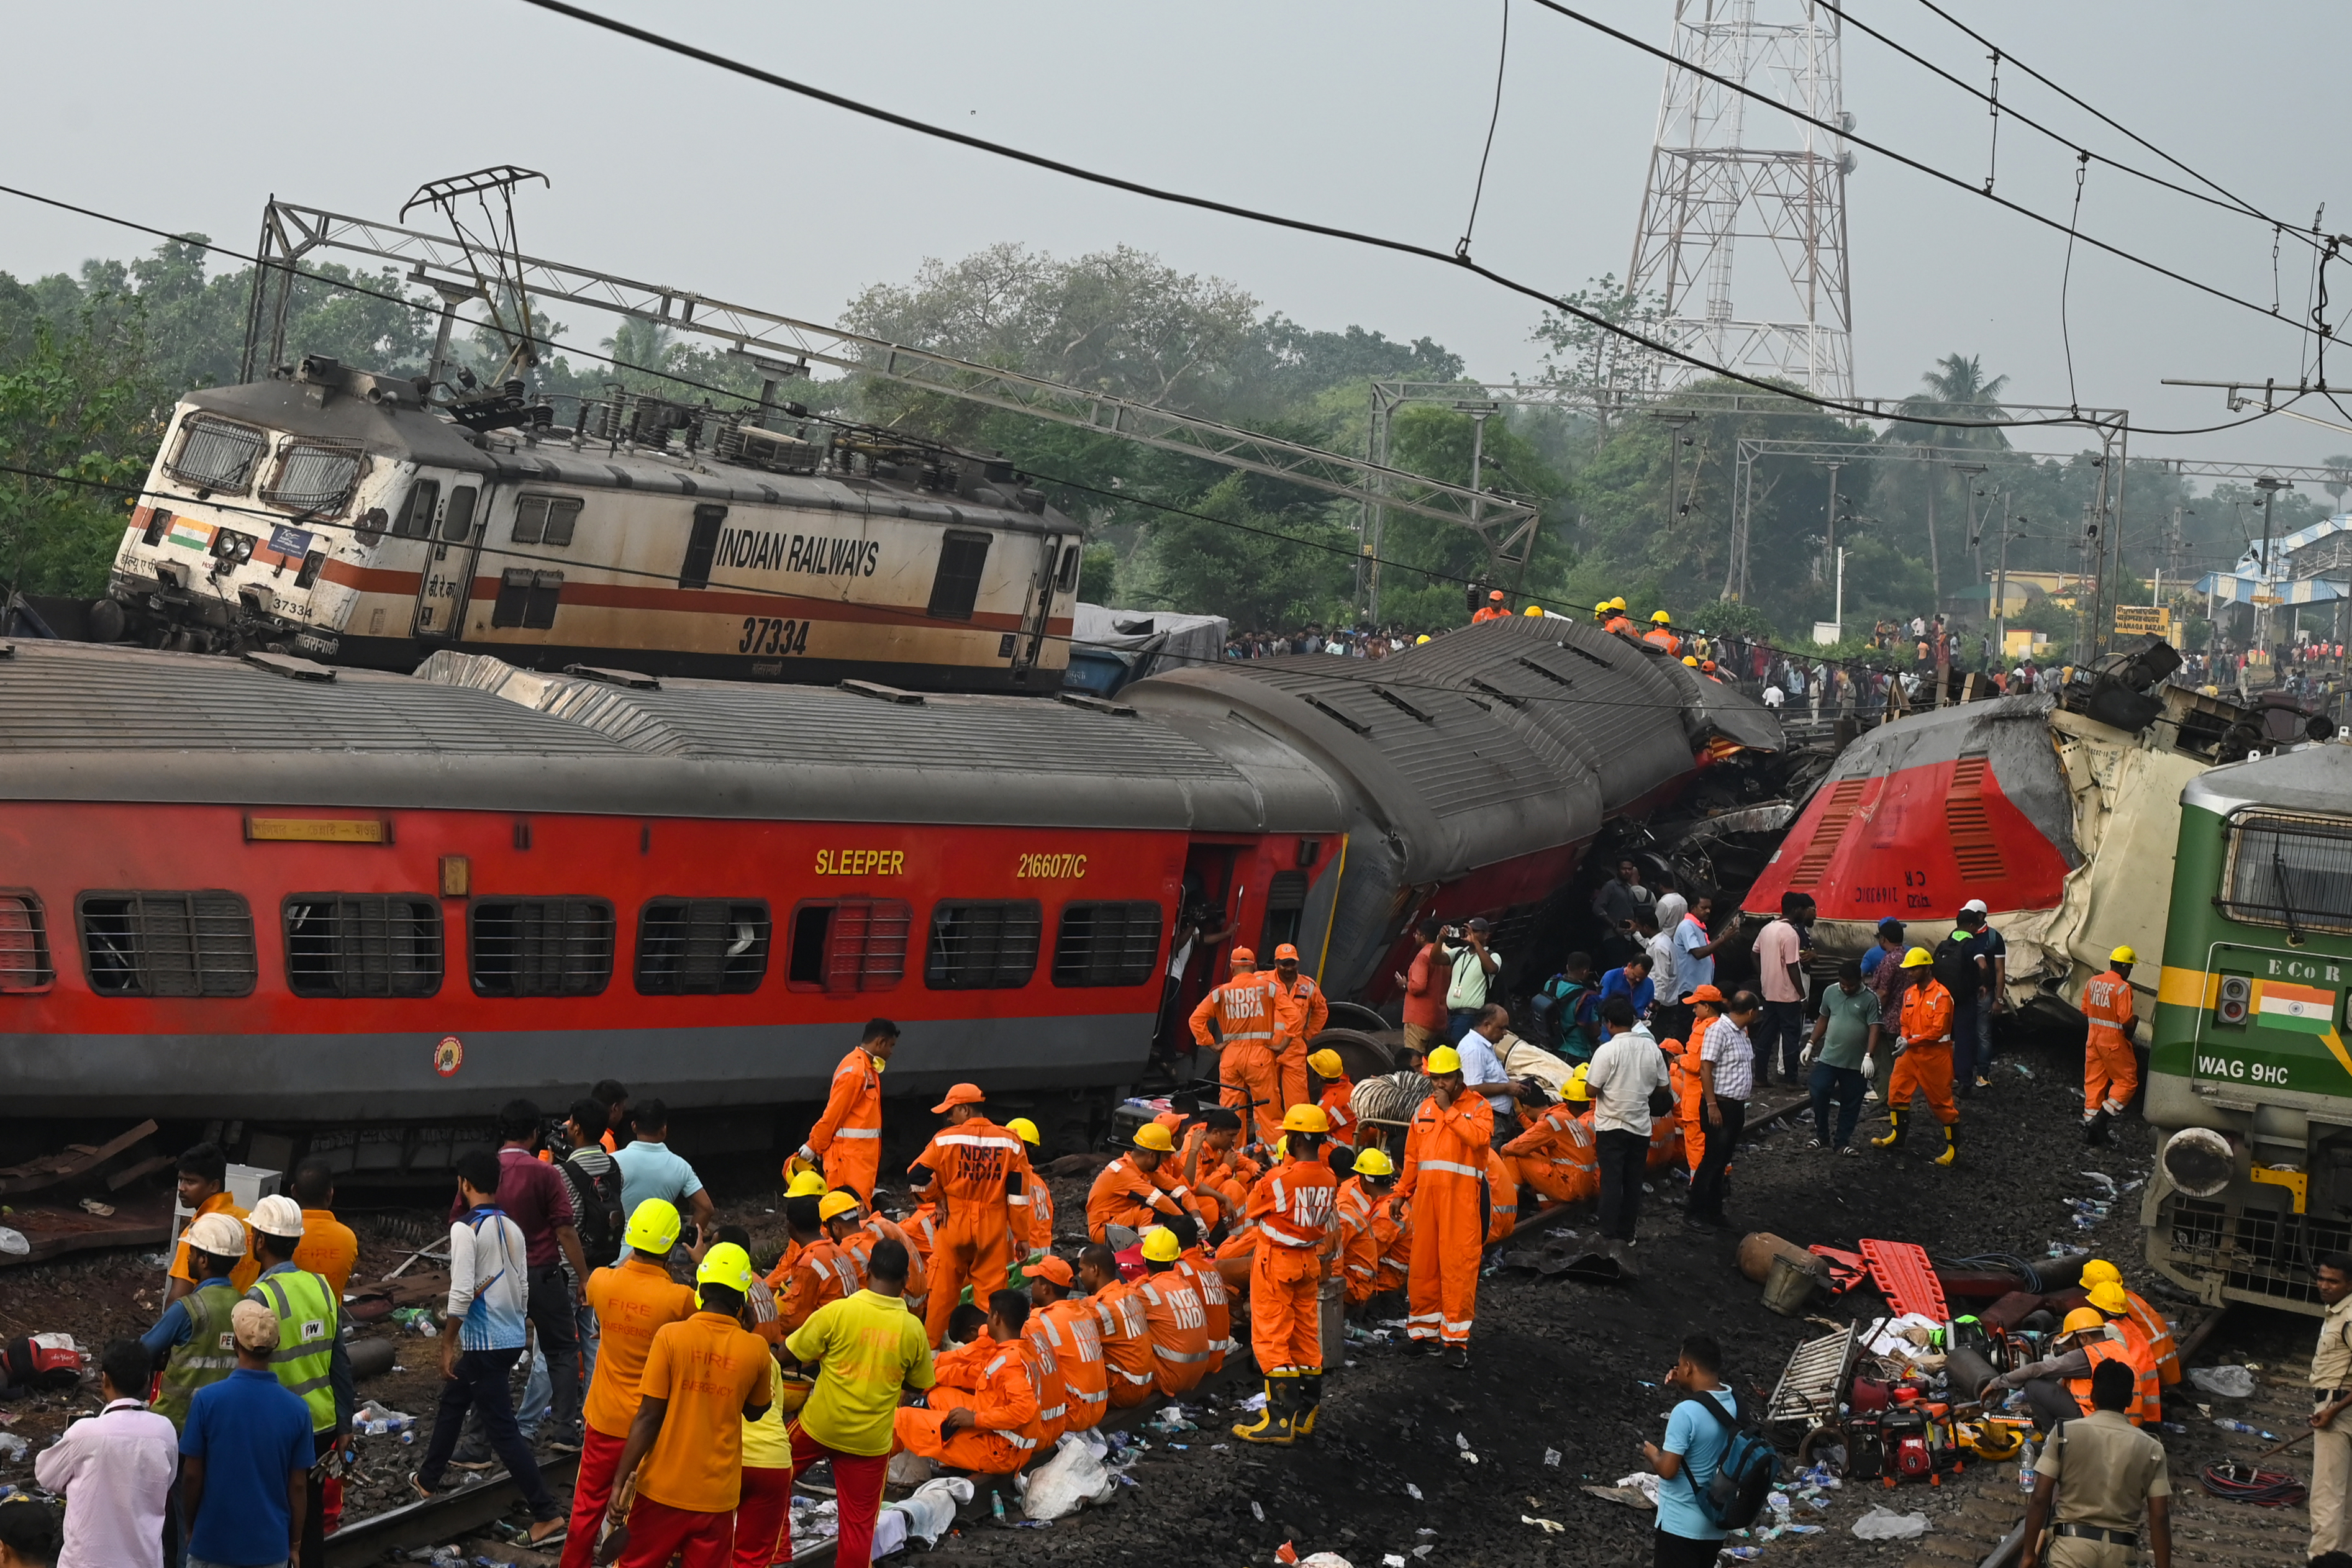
(858, 1493)
(658, 1533)
(763, 1520)
(592, 1494)
(1286, 1313)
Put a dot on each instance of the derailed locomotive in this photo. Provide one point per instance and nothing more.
(332, 514)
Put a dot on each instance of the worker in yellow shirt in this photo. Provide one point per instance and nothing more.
(867, 1350)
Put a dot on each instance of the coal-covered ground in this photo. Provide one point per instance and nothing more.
(1556, 1364)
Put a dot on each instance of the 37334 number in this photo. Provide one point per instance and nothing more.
(764, 636)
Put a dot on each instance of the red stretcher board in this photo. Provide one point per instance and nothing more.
(1905, 1278)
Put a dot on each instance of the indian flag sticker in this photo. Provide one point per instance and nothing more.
(2303, 1007)
(190, 535)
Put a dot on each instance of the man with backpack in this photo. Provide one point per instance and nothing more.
(1713, 1474)
(1959, 967)
(594, 1180)
(1569, 1006)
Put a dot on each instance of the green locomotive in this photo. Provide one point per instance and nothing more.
(2250, 1072)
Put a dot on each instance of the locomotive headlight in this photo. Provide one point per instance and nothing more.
(244, 547)
(2235, 1001)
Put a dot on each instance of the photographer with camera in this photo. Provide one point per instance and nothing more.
(1474, 967)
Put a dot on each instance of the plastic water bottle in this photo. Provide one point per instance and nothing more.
(2227, 1425)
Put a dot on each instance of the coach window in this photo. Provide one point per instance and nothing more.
(362, 945)
(845, 945)
(24, 945)
(416, 509)
(1107, 944)
(527, 599)
(701, 946)
(956, 589)
(978, 946)
(545, 520)
(1286, 905)
(540, 946)
(167, 944)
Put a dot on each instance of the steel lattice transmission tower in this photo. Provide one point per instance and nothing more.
(1726, 171)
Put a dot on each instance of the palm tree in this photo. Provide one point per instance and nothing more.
(639, 346)
(2339, 477)
(1957, 387)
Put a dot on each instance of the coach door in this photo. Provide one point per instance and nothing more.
(442, 586)
(1040, 605)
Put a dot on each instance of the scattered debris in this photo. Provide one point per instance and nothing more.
(1886, 1524)
(1550, 1526)
(2228, 1382)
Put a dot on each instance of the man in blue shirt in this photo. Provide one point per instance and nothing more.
(1687, 1536)
(1888, 946)
(245, 1457)
(1633, 982)
(648, 1169)
(1694, 948)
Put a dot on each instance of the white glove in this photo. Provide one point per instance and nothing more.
(1869, 1065)
(1805, 1057)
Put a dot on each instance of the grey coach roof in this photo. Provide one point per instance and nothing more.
(80, 722)
(2316, 778)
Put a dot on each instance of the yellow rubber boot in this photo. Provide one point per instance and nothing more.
(1951, 1145)
(1310, 1400)
(1272, 1424)
(1894, 1132)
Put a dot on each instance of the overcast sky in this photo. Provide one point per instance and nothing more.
(1369, 113)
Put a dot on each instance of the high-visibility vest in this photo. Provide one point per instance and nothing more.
(307, 1312)
(209, 1355)
(2107, 1350)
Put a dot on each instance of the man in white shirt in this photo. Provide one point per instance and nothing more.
(116, 1470)
(1772, 698)
(1626, 1068)
(1483, 1071)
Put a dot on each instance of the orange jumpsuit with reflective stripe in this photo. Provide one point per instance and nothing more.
(1924, 1062)
(1197, 1266)
(1659, 637)
(1069, 1326)
(1244, 1011)
(974, 1163)
(822, 1272)
(1556, 1156)
(1666, 1142)
(996, 1383)
(1052, 1392)
(1178, 1323)
(1690, 1094)
(1300, 1011)
(1294, 1208)
(2110, 1070)
(859, 1245)
(1359, 1245)
(1338, 1105)
(2158, 1334)
(1124, 1195)
(1226, 1176)
(1126, 1333)
(1502, 1195)
(1445, 1179)
(1619, 622)
(847, 1139)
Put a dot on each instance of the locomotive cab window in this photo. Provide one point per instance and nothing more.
(217, 455)
(540, 946)
(545, 520)
(2289, 870)
(24, 945)
(701, 946)
(316, 476)
(702, 546)
(416, 509)
(167, 944)
(845, 945)
(457, 521)
(956, 589)
(980, 945)
(362, 945)
(1107, 944)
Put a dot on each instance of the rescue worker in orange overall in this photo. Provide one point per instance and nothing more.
(1214, 1165)
(847, 1141)
(1690, 1090)
(1661, 635)
(1041, 1196)
(982, 1175)
(1119, 1323)
(1196, 1265)
(1053, 1388)
(1618, 621)
(1357, 1210)
(1494, 609)
(1300, 1011)
(1502, 1195)
(1294, 1208)
(873, 1228)
(1445, 1179)
(1244, 1011)
(1064, 1321)
(1174, 1313)
(1556, 1154)
(2110, 1070)
(981, 1412)
(2098, 1272)
(821, 1271)
(2107, 1298)
(1923, 1060)
(2059, 1384)
(1339, 1095)
(1127, 1192)
(806, 1184)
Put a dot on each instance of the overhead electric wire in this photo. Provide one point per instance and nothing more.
(1379, 241)
(1502, 59)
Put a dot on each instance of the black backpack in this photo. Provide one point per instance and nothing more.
(1956, 966)
(1745, 1476)
(596, 1210)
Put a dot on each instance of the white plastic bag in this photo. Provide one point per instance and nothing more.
(1325, 1560)
(2228, 1382)
(1886, 1524)
(14, 1244)
(1073, 1478)
(929, 1514)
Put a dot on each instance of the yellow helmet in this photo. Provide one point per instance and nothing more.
(2098, 1271)
(1417, 641)
(1659, 618)
(1602, 608)
(808, 1183)
(1445, 1058)
(1025, 1129)
(2082, 1317)
(1306, 1119)
(1617, 605)
(833, 1205)
(1326, 1063)
(1536, 610)
(654, 1227)
(1918, 958)
(1281, 1147)
(1160, 1246)
(2108, 1296)
(1692, 660)
(2123, 954)
(1578, 1091)
(1374, 1162)
(1151, 1135)
(724, 1264)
